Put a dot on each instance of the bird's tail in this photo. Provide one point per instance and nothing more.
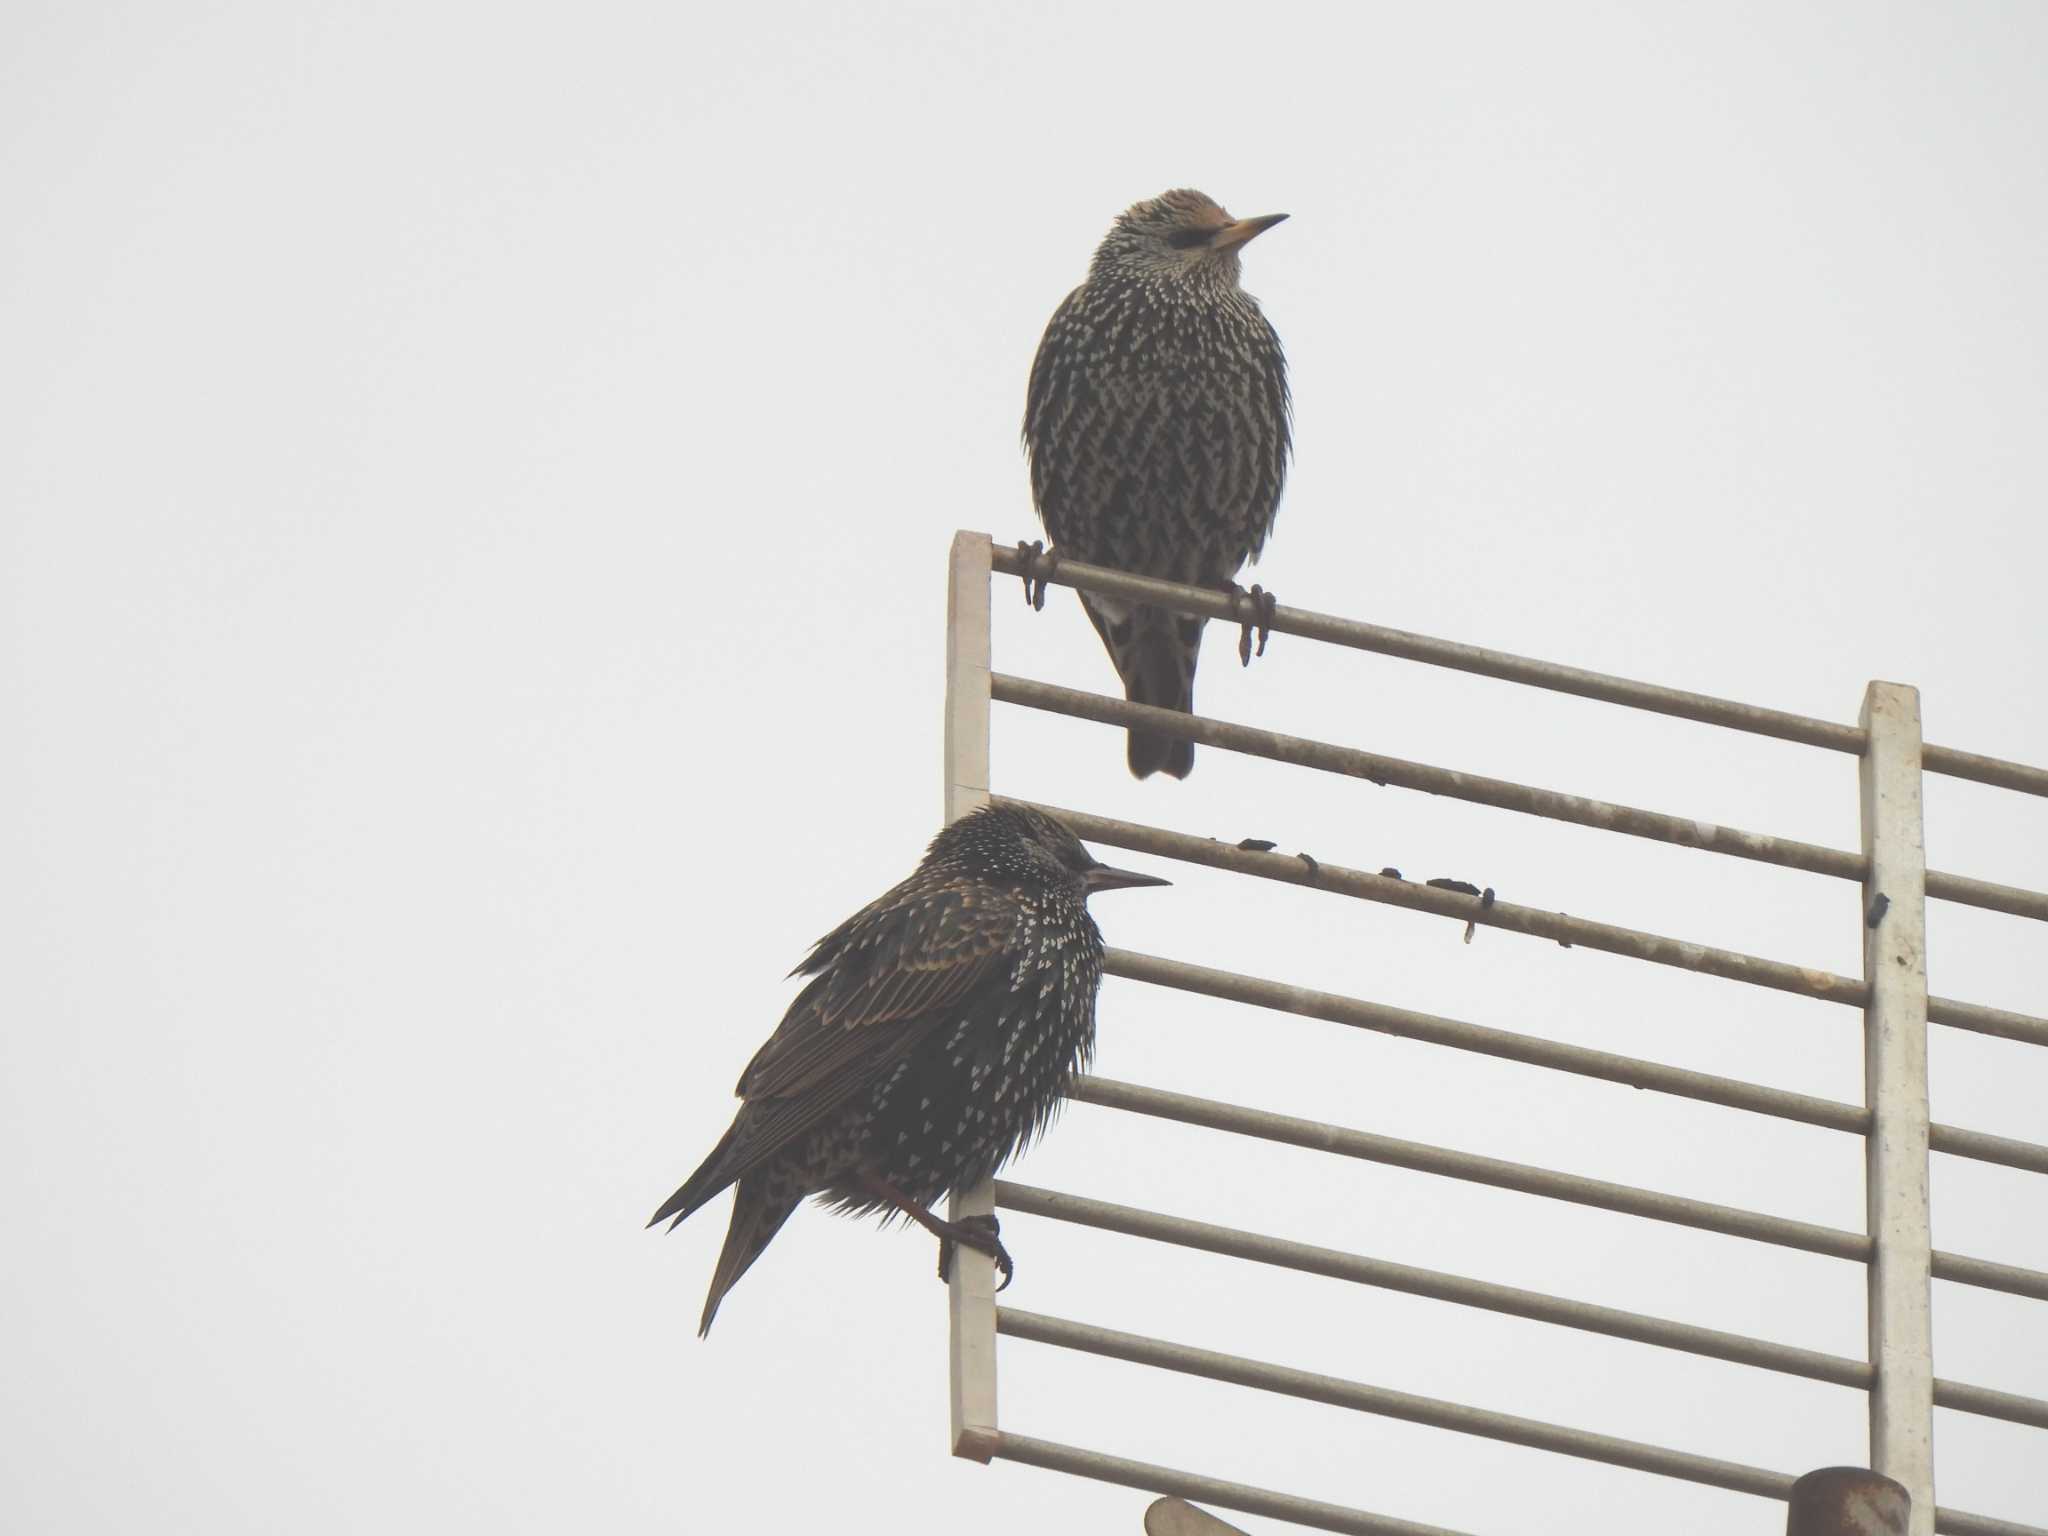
(712, 1175)
(1155, 653)
(757, 1215)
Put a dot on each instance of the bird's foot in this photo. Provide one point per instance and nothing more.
(980, 1234)
(976, 1232)
(1259, 620)
(1030, 552)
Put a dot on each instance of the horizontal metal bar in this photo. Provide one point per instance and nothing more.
(1477, 789)
(1731, 965)
(1232, 1242)
(1440, 653)
(1986, 1148)
(1995, 771)
(1293, 869)
(1685, 831)
(1987, 1021)
(1984, 893)
(1733, 1093)
(1424, 1158)
(1624, 1198)
(1534, 1305)
(1334, 1008)
(1337, 1392)
(1243, 1498)
(1987, 1402)
(1986, 1275)
(1508, 667)
(1955, 1522)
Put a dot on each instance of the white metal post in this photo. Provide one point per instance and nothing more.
(971, 1300)
(1895, 1089)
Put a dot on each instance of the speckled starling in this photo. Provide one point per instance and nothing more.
(941, 1024)
(1157, 424)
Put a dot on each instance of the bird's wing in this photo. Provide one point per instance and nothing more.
(1046, 373)
(1059, 403)
(894, 968)
(882, 982)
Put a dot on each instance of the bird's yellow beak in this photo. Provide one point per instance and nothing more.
(1245, 229)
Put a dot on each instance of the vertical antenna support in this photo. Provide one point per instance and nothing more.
(971, 1298)
(1895, 1089)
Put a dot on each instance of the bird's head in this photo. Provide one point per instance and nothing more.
(1014, 842)
(1180, 234)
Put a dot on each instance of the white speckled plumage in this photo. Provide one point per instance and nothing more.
(938, 1030)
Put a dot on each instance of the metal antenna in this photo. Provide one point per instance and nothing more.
(1887, 1010)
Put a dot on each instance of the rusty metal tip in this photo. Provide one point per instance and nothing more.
(1177, 1517)
(1847, 1501)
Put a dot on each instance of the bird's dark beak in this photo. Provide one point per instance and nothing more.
(1103, 878)
(1245, 229)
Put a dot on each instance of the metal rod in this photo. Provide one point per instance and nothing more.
(1292, 869)
(1990, 1404)
(1148, 1477)
(1682, 831)
(1334, 1008)
(970, 1291)
(1534, 1305)
(1988, 1276)
(1424, 1158)
(1731, 965)
(1895, 1088)
(1954, 1522)
(1995, 771)
(1627, 1199)
(1337, 1392)
(1441, 653)
(1986, 1148)
(1986, 894)
(1685, 831)
(967, 675)
(1257, 1248)
(1987, 1021)
(1508, 667)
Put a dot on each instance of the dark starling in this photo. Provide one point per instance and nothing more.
(1158, 428)
(941, 1025)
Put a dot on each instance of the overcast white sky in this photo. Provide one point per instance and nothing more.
(474, 499)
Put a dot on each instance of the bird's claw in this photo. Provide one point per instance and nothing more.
(980, 1234)
(1030, 552)
(1260, 620)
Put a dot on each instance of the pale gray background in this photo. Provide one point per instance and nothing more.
(474, 495)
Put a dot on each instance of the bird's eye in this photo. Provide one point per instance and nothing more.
(1187, 239)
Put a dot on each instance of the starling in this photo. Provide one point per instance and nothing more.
(941, 1024)
(1157, 424)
